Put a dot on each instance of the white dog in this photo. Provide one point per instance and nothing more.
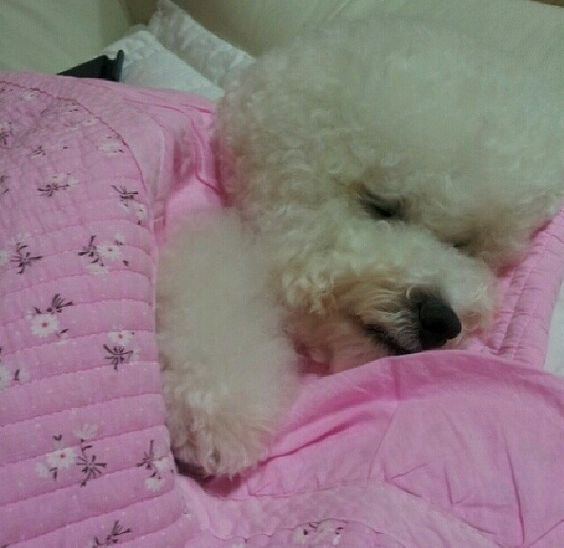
(383, 172)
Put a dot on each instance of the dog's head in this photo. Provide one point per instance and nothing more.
(369, 283)
(391, 185)
(397, 260)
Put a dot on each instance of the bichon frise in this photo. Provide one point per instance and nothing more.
(381, 173)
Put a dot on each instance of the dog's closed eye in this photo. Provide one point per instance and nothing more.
(379, 208)
(463, 245)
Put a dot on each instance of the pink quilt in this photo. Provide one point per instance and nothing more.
(461, 448)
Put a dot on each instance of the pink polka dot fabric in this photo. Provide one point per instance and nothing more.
(449, 448)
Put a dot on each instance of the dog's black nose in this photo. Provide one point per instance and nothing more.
(438, 322)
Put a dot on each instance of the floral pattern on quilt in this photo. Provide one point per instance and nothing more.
(85, 168)
(84, 456)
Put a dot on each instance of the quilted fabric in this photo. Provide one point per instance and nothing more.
(84, 453)
(438, 449)
(527, 296)
(445, 449)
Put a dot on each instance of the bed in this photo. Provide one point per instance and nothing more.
(443, 449)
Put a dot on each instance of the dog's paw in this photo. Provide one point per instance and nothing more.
(225, 445)
(214, 433)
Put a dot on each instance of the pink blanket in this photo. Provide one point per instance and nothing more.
(438, 449)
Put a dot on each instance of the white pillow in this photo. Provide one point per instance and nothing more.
(213, 57)
(148, 63)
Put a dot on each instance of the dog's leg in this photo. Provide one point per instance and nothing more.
(229, 372)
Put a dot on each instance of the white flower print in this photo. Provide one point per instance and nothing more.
(23, 258)
(75, 121)
(149, 462)
(109, 250)
(124, 205)
(59, 178)
(42, 471)
(97, 268)
(330, 530)
(30, 94)
(65, 179)
(70, 107)
(164, 465)
(5, 377)
(45, 322)
(86, 432)
(117, 355)
(303, 534)
(59, 181)
(111, 146)
(43, 325)
(319, 533)
(61, 458)
(118, 351)
(60, 146)
(90, 121)
(337, 537)
(140, 211)
(121, 337)
(99, 255)
(154, 483)
(4, 256)
(128, 201)
(90, 466)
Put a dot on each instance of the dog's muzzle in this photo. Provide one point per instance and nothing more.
(438, 323)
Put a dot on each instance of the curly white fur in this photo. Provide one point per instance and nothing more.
(228, 370)
(375, 163)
